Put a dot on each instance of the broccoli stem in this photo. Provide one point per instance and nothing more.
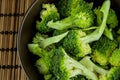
(91, 66)
(63, 24)
(80, 69)
(52, 40)
(99, 31)
(108, 33)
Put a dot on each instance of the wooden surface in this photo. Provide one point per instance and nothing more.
(11, 14)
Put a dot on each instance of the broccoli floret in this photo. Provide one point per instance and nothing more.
(77, 41)
(96, 34)
(36, 50)
(112, 20)
(92, 66)
(111, 23)
(102, 50)
(64, 67)
(39, 37)
(59, 65)
(47, 42)
(55, 39)
(73, 44)
(118, 32)
(43, 64)
(79, 77)
(48, 13)
(113, 74)
(77, 13)
(115, 58)
(71, 7)
(78, 20)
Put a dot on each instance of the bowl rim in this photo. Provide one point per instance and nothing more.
(19, 36)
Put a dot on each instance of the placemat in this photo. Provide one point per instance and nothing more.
(11, 14)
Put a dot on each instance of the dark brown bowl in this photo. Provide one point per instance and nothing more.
(27, 31)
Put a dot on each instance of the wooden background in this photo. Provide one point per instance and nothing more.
(11, 14)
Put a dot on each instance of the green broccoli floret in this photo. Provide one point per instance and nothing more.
(59, 65)
(102, 50)
(70, 7)
(118, 32)
(47, 42)
(111, 23)
(112, 20)
(74, 45)
(113, 74)
(65, 67)
(77, 41)
(78, 20)
(78, 14)
(55, 39)
(39, 37)
(36, 50)
(115, 58)
(48, 13)
(79, 77)
(92, 66)
(96, 34)
(43, 64)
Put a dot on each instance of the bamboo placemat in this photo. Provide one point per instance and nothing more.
(11, 14)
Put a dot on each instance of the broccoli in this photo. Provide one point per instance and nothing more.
(48, 13)
(39, 37)
(111, 23)
(44, 40)
(55, 39)
(70, 44)
(92, 66)
(70, 7)
(102, 50)
(78, 12)
(59, 64)
(79, 77)
(118, 31)
(43, 63)
(96, 34)
(74, 45)
(113, 74)
(64, 67)
(115, 58)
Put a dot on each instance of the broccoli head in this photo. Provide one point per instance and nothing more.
(111, 23)
(70, 7)
(57, 65)
(43, 64)
(112, 20)
(89, 64)
(39, 37)
(113, 74)
(64, 67)
(115, 58)
(102, 50)
(73, 44)
(46, 42)
(77, 13)
(48, 13)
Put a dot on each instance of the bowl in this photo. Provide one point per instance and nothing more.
(27, 30)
